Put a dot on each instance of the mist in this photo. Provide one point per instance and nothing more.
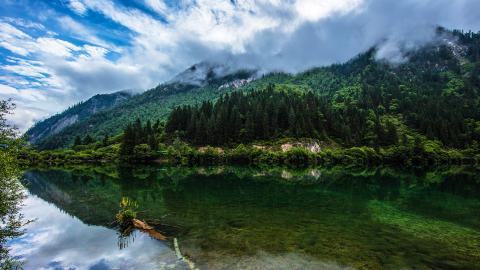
(393, 27)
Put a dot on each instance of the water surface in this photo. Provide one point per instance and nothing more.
(250, 218)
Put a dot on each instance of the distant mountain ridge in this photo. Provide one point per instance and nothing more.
(55, 124)
(202, 74)
(202, 81)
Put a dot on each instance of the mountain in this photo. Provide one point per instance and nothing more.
(202, 74)
(57, 123)
(203, 81)
(367, 101)
(434, 92)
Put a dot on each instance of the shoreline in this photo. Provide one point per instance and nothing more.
(296, 157)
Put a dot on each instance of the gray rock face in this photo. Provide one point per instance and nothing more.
(63, 123)
(198, 74)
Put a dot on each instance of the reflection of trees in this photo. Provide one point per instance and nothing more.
(151, 186)
(11, 220)
(125, 238)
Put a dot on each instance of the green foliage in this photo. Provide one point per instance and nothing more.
(88, 140)
(297, 156)
(142, 152)
(140, 142)
(77, 142)
(127, 212)
(11, 191)
(243, 154)
(240, 117)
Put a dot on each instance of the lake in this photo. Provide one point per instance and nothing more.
(253, 218)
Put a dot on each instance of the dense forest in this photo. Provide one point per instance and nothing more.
(270, 114)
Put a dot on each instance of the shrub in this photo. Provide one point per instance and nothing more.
(267, 157)
(298, 156)
(243, 154)
(142, 152)
(208, 155)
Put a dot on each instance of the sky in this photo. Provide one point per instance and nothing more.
(56, 53)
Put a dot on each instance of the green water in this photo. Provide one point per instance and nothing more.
(276, 218)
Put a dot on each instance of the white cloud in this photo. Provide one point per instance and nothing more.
(27, 68)
(13, 48)
(131, 18)
(7, 90)
(25, 115)
(56, 47)
(157, 5)
(8, 31)
(17, 41)
(95, 51)
(314, 10)
(14, 80)
(77, 30)
(58, 73)
(77, 6)
(23, 23)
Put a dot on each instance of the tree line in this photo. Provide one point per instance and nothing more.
(138, 137)
(241, 117)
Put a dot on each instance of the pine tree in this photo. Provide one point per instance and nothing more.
(105, 140)
(88, 139)
(391, 136)
(78, 141)
(128, 141)
(380, 132)
(292, 122)
(139, 132)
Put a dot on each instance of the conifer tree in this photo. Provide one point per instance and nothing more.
(105, 140)
(128, 141)
(88, 140)
(77, 141)
(391, 136)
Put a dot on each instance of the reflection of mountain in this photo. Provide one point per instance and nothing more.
(45, 189)
(76, 195)
(226, 213)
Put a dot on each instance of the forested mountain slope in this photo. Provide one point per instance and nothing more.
(434, 93)
(153, 104)
(365, 101)
(57, 123)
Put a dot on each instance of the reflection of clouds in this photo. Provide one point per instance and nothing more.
(58, 241)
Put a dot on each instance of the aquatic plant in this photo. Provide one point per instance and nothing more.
(127, 213)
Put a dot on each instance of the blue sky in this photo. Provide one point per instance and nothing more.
(55, 53)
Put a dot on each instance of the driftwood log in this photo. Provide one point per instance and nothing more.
(143, 226)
